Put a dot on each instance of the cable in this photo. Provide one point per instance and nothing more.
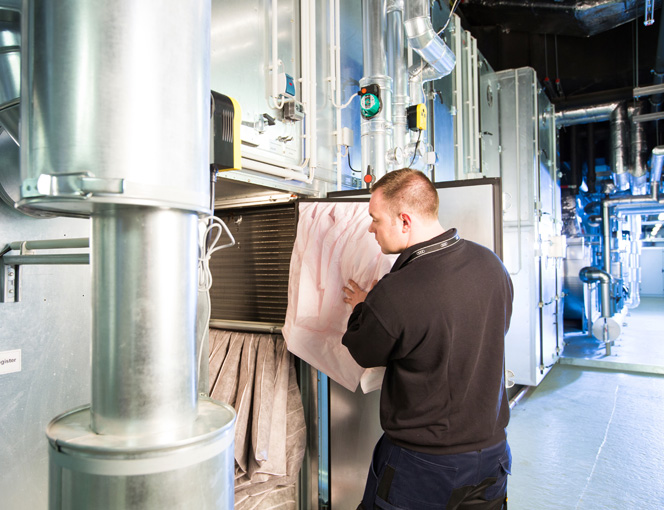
(347, 103)
(204, 274)
(417, 144)
(351, 166)
(449, 17)
(214, 227)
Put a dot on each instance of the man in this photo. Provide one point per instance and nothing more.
(437, 322)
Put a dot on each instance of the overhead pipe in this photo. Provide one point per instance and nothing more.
(585, 114)
(616, 114)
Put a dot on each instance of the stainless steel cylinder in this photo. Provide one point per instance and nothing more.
(194, 469)
(115, 104)
(373, 37)
(376, 132)
(398, 71)
(144, 290)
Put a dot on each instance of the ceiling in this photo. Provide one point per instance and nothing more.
(596, 49)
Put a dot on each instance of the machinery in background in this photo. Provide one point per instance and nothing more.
(602, 212)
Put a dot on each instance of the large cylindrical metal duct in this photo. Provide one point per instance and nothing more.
(115, 109)
(377, 130)
(193, 470)
(144, 290)
(115, 104)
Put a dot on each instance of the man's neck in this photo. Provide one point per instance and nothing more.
(425, 233)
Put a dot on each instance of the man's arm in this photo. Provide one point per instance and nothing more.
(366, 338)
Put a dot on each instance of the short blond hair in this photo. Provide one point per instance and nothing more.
(408, 189)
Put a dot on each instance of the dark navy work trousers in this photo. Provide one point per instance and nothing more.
(403, 479)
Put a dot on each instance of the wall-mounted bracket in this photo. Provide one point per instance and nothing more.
(8, 283)
(10, 263)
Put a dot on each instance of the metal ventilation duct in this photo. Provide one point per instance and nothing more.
(566, 17)
(439, 58)
(115, 109)
(10, 71)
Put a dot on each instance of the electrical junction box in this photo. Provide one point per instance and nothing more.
(417, 117)
(286, 85)
(293, 110)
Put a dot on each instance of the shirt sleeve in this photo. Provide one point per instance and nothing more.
(367, 339)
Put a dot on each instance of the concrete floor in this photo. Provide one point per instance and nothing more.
(592, 438)
(640, 347)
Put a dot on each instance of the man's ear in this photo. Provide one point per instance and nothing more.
(406, 222)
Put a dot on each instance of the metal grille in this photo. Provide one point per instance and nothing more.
(250, 280)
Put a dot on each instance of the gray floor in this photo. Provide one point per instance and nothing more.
(592, 438)
(639, 348)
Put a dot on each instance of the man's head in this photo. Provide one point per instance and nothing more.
(404, 210)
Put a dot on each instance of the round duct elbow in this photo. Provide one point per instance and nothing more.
(424, 40)
(593, 274)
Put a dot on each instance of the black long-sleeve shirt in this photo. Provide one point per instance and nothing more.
(438, 323)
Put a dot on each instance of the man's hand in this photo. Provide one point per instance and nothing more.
(354, 294)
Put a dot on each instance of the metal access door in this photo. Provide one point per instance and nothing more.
(652, 271)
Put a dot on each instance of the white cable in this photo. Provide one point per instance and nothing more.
(215, 227)
(449, 17)
(346, 104)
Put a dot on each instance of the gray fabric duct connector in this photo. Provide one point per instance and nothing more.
(594, 274)
(423, 39)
